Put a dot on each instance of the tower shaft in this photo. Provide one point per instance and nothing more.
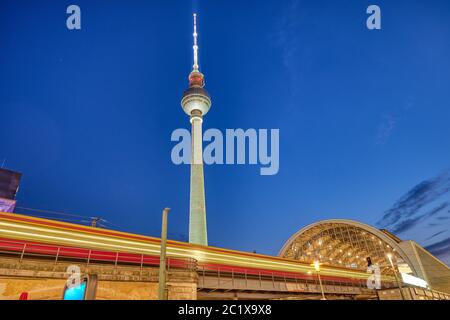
(197, 208)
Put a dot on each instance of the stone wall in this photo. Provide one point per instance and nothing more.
(45, 280)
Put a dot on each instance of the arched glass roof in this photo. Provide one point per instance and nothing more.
(345, 243)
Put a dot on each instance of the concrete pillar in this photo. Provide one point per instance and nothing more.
(197, 209)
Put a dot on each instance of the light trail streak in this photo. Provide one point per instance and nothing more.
(91, 239)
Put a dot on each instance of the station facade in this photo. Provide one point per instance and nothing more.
(355, 245)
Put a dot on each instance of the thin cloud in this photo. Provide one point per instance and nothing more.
(287, 38)
(407, 213)
(433, 224)
(410, 223)
(439, 248)
(390, 121)
(386, 128)
(436, 234)
(409, 205)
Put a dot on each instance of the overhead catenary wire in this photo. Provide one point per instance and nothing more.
(51, 212)
(72, 217)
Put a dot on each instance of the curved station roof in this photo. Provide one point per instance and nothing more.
(348, 243)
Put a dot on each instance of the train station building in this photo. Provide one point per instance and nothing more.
(349, 244)
(36, 254)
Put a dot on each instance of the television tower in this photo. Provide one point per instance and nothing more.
(196, 103)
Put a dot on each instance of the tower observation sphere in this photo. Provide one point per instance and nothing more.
(196, 100)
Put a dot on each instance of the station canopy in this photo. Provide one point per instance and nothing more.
(346, 243)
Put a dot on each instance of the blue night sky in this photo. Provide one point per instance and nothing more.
(363, 115)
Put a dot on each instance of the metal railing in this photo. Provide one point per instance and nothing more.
(57, 253)
(229, 278)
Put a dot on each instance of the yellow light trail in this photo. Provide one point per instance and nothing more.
(42, 233)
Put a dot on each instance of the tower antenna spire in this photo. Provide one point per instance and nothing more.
(195, 47)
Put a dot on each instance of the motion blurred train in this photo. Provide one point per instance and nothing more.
(24, 235)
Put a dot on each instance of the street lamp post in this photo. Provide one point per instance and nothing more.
(162, 258)
(396, 276)
(317, 267)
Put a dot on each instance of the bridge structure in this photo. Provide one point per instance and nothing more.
(36, 253)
